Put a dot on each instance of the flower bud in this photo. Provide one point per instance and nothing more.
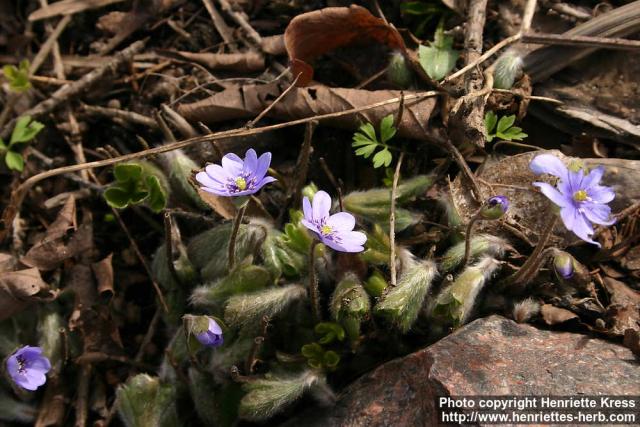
(563, 265)
(350, 305)
(402, 303)
(398, 72)
(144, 400)
(248, 309)
(494, 208)
(481, 244)
(376, 284)
(508, 67)
(244, 278)
(206, 330)
(309, 191)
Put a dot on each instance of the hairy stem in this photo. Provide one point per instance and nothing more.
(313, 284)
(523, 276)
(234, 235)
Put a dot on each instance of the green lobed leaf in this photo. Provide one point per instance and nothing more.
(505, 123)
(14, 161)
(25, 130)
(382, 158)
(490, 121)
(387, 129)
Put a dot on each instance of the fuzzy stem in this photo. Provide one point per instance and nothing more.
(468, 236)
(392, 221)
(313, 284)
(522, 276)
(234, 235)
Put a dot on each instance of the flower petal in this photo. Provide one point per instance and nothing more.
(206, 180)
(311, 226)
(251, 161)
(263, 165)
(593, 178)
(552, 194)
(232, 164)
(548, 163)
(321, 205)
(218, 192)
(341, 221)
(577, 223)
(264, 181)
(218, 173)
(598, 213)
(306, 208)
(601, 194)
(214, 327)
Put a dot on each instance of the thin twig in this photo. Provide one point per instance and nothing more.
(128, 116)
(522, 276)
(48, 45)
(488, 54)
(581, 41)
(151, 331)
(527, 16)
(392, 221)
(241, 20)
(264, 112)
(66, 92)
(218, 22)
(302, 165)
(18, 194)
(332, 179)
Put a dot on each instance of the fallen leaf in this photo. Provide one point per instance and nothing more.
(553, 315)
(312, 34)
(19, 289)
(623, 311)
(103, 272)
(245, 102)
(245, 62)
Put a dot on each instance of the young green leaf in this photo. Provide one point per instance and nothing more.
(490, 121)
(14, 161)
(438, 59)
(18, 77)
(25, 130)
(382, 158)
(505, 123)
(366, 141)
(387, 129)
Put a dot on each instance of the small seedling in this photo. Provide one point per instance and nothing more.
(367, 142)
(25, 131)
(439, 58)
(136, 184)
(504, 129)
(18, 77)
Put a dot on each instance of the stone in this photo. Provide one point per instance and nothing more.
(490, 356)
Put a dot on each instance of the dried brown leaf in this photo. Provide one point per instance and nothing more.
(315, 33)
(245, 62)
(19, 289)
(244, 102)
(623, 311)
(103, 272)
(553, 315)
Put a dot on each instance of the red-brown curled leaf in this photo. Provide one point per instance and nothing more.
(315, 33)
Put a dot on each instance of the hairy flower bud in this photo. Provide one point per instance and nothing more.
(494, 208)
(563, 264)
(145, 401)
(248, 309)
(481, 244)
(398, 71)
(508, 68)
(402, 303)
(350, 305)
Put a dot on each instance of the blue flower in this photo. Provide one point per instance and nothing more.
(212, 337)
(581, 198)
(28, 368)
(237, 177)
(495, 207)
(335, 231)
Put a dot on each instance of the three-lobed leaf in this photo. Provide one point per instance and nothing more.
(440, 58)
(25, 130)
(14, 161)
(18, 77)
(502, 128)
(367, 142)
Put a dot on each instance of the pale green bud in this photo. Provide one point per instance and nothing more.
(481, 244)
(398, 70)
(350, 305)
(249, 309)
(145, 402)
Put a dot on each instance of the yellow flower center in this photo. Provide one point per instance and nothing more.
(326, 230)
(241, 183)
(580, 196)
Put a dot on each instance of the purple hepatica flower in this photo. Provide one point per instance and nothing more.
(212, 337)
(237, 177)
(28, 367)
(335, 231)
(581, 198)
(563, 265)
(495, 207)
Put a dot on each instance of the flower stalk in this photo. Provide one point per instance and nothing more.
(524, 275)
(234, 235)
(314, 294)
